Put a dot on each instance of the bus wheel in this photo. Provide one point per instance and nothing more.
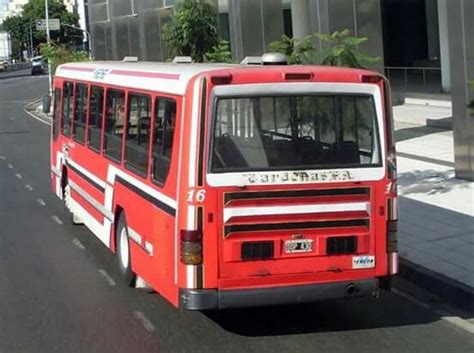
(67, 201)
(123, 253)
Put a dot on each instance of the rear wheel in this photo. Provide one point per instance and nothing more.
(123, 253)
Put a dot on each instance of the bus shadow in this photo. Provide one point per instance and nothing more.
(389, 310)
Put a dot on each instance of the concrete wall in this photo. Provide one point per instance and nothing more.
(461, 47)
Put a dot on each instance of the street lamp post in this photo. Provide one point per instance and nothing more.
(48, 37)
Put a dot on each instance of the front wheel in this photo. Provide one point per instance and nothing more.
(123, 253)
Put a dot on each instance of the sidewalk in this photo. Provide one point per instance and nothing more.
(436, 221)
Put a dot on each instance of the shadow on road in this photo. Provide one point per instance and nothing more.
(415, 132)
(334, 316)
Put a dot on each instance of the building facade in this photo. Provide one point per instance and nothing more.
(418, 41)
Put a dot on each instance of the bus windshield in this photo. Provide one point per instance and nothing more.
(294, 132)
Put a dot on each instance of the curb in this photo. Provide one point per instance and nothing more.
(45, 120)
(453, 292)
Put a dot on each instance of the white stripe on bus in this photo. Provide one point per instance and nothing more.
(230, 212)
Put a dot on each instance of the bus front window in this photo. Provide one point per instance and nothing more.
(295, 132)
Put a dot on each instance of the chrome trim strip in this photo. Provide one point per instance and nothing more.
(92, 201)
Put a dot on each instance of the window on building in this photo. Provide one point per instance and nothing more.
(115, 118)
(80, 113)
(68, 96)
(138, 133)
(96, 106)
(56, 111)
(165, 119)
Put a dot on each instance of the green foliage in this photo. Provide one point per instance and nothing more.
(342, 50)
(19, 26)
(34, 10)
(192, 30)
(58, 54)
(15, 25)
(298, 51)
(220, 53)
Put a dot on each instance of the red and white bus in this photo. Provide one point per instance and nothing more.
(228, 186)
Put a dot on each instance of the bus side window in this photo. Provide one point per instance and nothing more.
(80, 113)
(114, 121)
(68, 97)
(163, 132)
(96, 114)
(138, 133)
(56, 111)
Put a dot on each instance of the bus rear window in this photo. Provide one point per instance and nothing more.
(294, 132)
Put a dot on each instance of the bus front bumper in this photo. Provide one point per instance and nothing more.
(205, 299)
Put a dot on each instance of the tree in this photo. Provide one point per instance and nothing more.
(298, 51)
(192, 30)
(220, 53)
(15, 25)
(342, 50)
(58, 54)
(34, 10)
(19, 26)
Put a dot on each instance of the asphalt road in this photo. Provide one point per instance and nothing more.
(58, 293)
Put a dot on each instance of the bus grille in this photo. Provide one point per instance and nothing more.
(341, 245)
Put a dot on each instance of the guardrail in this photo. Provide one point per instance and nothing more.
(415, 78)
(17, 66)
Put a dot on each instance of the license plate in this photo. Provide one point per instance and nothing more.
(299, 245)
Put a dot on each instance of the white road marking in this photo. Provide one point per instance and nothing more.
(12, 118)
(3, 158)
(109, 279)
(18, 175)
(57, 220)
(10, 166)
(78, 243)
(41, 202)
(29, 187)
(144, 320)
(453, 320)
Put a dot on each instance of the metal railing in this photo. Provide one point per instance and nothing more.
(17, 66)
(415, 78)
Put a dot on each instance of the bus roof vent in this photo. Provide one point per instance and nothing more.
(252, 60)
(130, 59)
(182, 60)
(274, 59)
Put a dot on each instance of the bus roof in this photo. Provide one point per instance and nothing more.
(169, 77)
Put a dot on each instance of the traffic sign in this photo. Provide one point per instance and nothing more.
(54, 24)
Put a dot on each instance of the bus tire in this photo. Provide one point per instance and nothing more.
(128, 278)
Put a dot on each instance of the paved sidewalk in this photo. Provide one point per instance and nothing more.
(436, 227)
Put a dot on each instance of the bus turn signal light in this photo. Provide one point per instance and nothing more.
(191, 247)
